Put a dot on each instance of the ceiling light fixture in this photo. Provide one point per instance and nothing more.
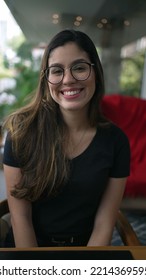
(55, 21)
(55, 16)
(100, 25)
(104, 20)
(77, 23)
(126, 22)
(79, 18)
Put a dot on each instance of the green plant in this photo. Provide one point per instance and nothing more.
(26, 74)
(131, 75)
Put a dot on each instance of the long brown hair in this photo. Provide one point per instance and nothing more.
(38, 130)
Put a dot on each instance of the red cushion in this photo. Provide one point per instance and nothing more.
(129, 113)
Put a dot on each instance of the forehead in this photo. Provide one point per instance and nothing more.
(67, 53)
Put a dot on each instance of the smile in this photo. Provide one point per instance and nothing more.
(71, 93)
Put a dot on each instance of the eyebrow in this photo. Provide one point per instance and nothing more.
(73, 63)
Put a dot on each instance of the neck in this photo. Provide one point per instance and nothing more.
(79, 133)
(75, 120)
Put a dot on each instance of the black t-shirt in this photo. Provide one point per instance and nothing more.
(73, 210)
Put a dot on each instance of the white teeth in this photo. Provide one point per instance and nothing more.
(71, 92)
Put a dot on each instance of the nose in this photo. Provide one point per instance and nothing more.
(68, 78)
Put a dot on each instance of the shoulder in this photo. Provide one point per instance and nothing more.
(116, 144)
(118, 134)
(9, 157)
(114, 138)
(113, 132)
(119, 141)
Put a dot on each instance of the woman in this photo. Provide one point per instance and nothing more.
(65, 165)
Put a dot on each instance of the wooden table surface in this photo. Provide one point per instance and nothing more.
(138, 252)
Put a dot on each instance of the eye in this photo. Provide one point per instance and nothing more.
(56, 70)
(80, 67)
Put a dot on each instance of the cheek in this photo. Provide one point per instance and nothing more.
(52, 91)
(92, 80)
(92, 86)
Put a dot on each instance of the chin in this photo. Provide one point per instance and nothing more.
(74, 107)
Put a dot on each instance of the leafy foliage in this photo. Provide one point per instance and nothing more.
(131, 76)
(25, 70)
(27, 73)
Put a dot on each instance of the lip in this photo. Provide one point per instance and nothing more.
(71, 93)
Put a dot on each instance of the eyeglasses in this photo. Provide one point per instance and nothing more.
(79, 71)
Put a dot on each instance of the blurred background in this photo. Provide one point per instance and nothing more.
(18, 63)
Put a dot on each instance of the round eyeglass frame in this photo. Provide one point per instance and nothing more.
(70, 68)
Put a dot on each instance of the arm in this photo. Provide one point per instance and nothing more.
(106, 215)
(21, 213)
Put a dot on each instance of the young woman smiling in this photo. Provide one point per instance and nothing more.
(65, 165)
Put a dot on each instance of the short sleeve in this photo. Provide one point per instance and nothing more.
(121, 155)
(8, 157)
